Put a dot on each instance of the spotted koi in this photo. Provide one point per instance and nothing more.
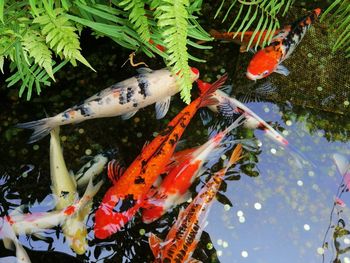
(124, 99)
(184, 235)
(125, 197)
(269, 59)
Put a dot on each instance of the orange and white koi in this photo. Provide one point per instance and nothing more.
(269, 59)
(184, 235)
(130, 187)
(229, 107)
(124, 98)
(174, 188)
(36, 222)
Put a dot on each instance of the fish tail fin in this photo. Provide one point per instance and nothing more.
(206, 96)
(235, 156)
(41, 128)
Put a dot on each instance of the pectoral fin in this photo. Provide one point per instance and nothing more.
(115, 171)
(155, 244)
(282, 70)
(162, 107)
(128, 115)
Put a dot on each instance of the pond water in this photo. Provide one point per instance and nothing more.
(282, 201)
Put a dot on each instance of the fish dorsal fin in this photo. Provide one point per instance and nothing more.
(155, 244)
(115, 170)
(162, 107)
(282, 70)
(128, 115)
(144, 70)
(203, 86)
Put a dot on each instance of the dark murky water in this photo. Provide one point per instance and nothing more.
(282, 199)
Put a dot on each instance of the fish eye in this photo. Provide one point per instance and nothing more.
(265, 72)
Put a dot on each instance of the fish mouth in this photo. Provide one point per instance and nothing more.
(251, 76)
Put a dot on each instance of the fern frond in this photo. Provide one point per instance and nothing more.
(60, 35)
(137, 16)
(2, 3)
(340, 21)
(261, 15)
(173, 19)
(35, 45)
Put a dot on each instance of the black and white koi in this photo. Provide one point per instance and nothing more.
(124, 99)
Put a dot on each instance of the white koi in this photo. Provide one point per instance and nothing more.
(229, 107)
(64, 187)
(124, 98)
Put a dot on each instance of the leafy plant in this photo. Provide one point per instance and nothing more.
(35, 35)
(260, 13)
(340, 22)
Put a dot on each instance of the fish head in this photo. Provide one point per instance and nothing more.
(194, 74)
(262, 64)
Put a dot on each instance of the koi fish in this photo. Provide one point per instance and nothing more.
(124, 98)
(36, 222)
(91, 169)
(228, 107)
(184, 235)
(10, 239)
(174, 188)
(269, 59)
(125, 197)
(64, 187)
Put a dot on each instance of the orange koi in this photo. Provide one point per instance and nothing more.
(125, 197)
(174, 188)
(269, 59)
(183, 237)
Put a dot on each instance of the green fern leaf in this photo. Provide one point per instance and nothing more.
(61, 37)
(173, 19)
(35, 45)
(137, 16)
(2, 64)
(2, 3)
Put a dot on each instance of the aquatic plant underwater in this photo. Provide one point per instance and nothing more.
(166, 175)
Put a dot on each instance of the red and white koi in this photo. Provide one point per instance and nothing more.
(184, 235)
(269, 59)
(125, 197)
(124, 98)
(229, 107)
(174, 188)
